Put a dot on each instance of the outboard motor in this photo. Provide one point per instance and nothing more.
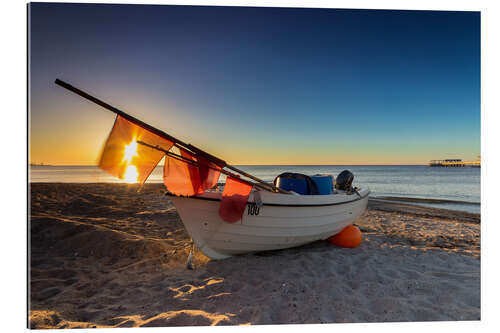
(344, 181)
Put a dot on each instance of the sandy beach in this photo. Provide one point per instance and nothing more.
(106, 255)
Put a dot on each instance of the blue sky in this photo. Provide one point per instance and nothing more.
(260, 85)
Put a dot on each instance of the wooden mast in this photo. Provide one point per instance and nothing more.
(178, 143)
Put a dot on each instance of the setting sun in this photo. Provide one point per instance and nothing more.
(130, 176)
(130, 151)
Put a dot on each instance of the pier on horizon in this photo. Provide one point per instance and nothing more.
(455, 163)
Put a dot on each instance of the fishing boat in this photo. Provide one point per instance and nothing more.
(282, 221)
(248, 215)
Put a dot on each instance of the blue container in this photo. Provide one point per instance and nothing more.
(324, 183)
(298, 185)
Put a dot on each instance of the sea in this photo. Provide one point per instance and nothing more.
(450, 188)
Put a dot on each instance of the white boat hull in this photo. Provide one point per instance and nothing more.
(283, 221)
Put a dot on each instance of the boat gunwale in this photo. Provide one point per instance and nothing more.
(276, 204)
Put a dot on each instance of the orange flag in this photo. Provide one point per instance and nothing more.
(126, 159)
(234, 199)
(181, 177)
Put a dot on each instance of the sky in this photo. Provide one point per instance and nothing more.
(258, 85)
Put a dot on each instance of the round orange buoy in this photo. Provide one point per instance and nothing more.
(349, 237)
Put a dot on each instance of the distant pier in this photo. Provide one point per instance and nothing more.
(455, 163)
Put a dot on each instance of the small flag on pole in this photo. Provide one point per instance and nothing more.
(234, 199)
(209, 173)
(181, 177)
(124, 158)
(191, 176)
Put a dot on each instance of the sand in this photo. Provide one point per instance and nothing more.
(105, 255)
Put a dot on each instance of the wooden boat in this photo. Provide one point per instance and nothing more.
(267, 217)
(283, 220)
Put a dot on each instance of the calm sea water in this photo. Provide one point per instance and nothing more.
(455, 184)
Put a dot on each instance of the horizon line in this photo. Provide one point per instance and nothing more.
(87, 165)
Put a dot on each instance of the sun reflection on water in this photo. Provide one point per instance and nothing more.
(131, 174)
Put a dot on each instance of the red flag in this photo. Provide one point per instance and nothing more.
(209, 173)
(181, 177)
(124, 158)
(234, 199)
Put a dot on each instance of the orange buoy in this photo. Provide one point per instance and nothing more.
(349, 237)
